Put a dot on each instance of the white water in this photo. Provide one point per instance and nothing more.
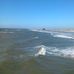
(40, 50)
(57, 34)
(66, 52)
(63, 36)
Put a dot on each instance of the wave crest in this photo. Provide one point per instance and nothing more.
(63, 35)
(65, 52)
(41, 50)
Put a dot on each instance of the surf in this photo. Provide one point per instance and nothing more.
(57, 34)
(67, 52)
(41, 51)
(63, 36)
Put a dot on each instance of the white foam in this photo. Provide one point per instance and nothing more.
(41, 50)
(66, 52)
(63, 36)
(36, 37)
(56, 34)
(44, 31)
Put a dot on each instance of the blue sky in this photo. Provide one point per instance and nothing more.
(37, 13)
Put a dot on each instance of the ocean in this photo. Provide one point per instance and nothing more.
(24, 51)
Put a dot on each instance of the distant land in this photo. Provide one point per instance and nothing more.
(58, 30)
(4, 30)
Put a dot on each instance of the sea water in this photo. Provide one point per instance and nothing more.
(34, 52)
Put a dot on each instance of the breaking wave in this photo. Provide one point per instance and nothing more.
(65, 52)
(62, 36)
(41, 50)
(58, 34)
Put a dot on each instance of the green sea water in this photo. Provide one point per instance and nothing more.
(17, 53)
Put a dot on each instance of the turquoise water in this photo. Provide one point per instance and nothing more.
(18, 49)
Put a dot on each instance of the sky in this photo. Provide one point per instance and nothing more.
(37, 13)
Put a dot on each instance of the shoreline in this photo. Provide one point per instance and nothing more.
(49, 31)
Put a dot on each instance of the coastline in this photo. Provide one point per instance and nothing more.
(55, 31)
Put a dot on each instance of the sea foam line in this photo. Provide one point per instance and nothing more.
(56, 34)
(63, 36)
(65, 52)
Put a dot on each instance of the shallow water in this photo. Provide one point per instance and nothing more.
(18, 49)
